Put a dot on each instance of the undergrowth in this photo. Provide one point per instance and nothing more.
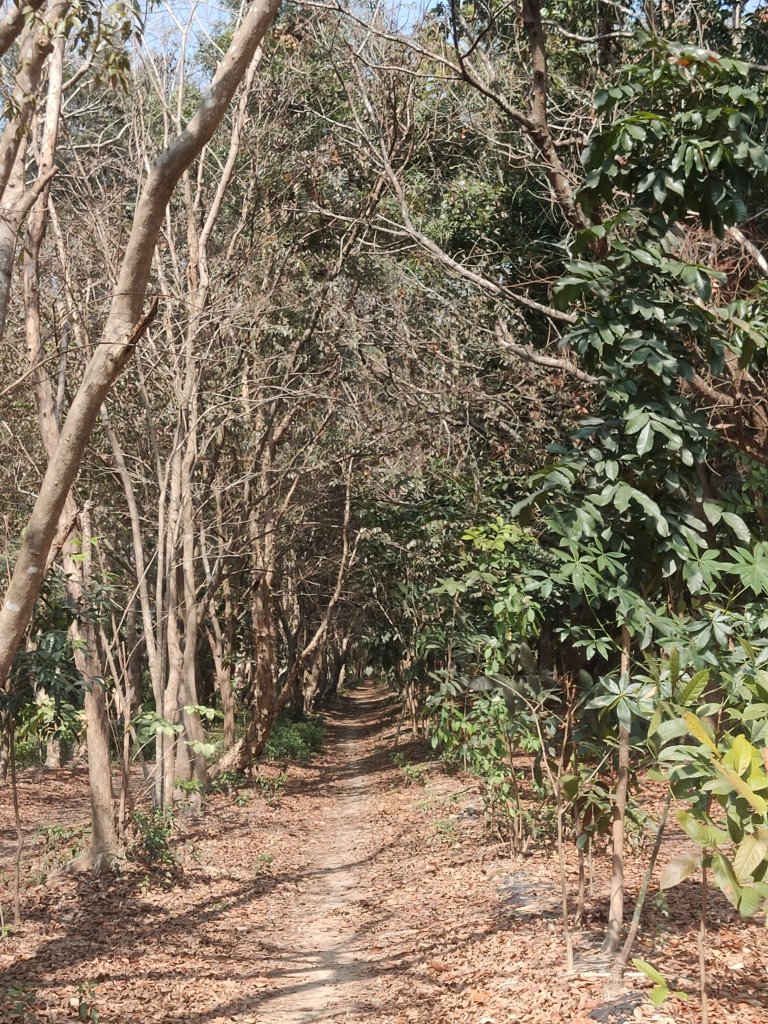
(154, 830)
(295, 741)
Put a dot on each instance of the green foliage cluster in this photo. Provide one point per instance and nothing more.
(153, 847)
(295, 741)
(620, 590)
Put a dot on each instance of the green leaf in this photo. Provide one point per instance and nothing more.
(742, 788)
(702, 832)
(649, 971)
(699, 730)
(712, 512)
(740, 754)
(658, 994)
(645, 440)
(672, 729)
(755, 711)
(751, 901)
(750, 854)
(724, 876)
(678, 869)
(738, 526)
(205, 749)
(695, 686)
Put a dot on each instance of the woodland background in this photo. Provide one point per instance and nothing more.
(444, 364)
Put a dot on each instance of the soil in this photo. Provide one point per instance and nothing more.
(360, 887)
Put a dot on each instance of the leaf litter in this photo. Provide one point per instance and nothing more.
(356, 894)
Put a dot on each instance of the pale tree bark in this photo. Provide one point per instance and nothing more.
(220, 630)
(124, 327)
(12, 24)
(15, 199)
(179, 758)
(104, 840)
(36, 46)
(612, 941)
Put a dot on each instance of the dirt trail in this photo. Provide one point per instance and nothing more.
(359, 888)
(331, 958)
(268, 923)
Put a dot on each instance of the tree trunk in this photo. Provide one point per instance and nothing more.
(612, 941)
(312, 676)
(76, 550)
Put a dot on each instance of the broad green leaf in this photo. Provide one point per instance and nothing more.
(750, 853)
(751, 901)
(649, 971)
(699, 730)
(645, 439)
(739, 757)
(738, 526)
(672, 729)
(695, 686)
(658, 994)
(712, 511)
(678, 869)
(742, 788)
(755, 711)
(701, 832)
(725, 877)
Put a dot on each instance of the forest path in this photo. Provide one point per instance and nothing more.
(360, 887)
(324, 958)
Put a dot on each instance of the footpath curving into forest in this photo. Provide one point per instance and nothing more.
(362, 891)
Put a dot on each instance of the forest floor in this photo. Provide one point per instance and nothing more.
(363, 887)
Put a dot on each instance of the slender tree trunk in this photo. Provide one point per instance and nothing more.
(619, 965)
(76, 550)
(19, 830)
(612, 941)
(703, 910)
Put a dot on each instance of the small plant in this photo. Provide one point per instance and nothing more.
(445, 828)
(86, 1002)
(661, 990)
(153, 843)
(241, 799)
(17, 1004)
(227, 782)
(414, 773)
(190, 787)
(61, 844)
(264, 863)
(271, 785)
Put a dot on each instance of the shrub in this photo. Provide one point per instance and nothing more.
(295, 741)
(152, 847)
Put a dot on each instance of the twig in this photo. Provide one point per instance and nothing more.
(703, 946)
